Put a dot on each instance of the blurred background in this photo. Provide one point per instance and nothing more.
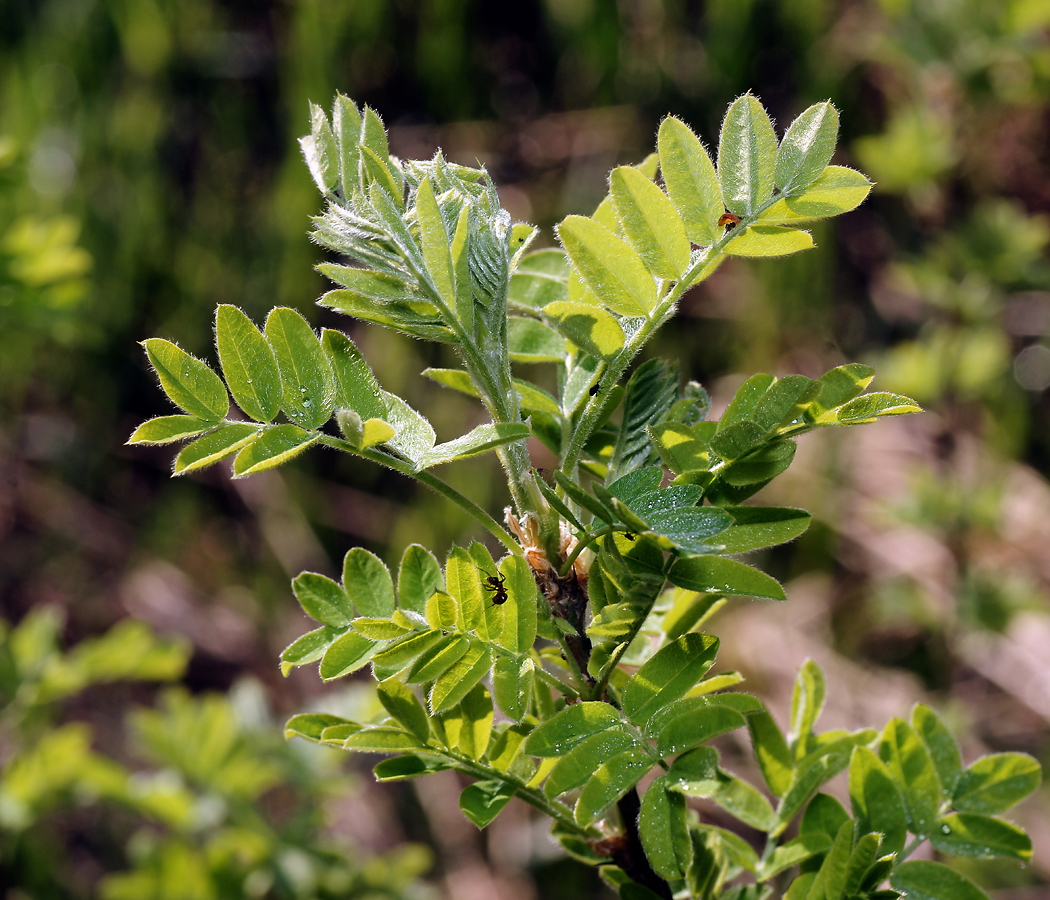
(149, 171)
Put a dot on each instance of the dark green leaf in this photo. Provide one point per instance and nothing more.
(347, 654)
(713, 574)
(670, 674)
(482, 801)
(309, 384)
(310, 725)
(806, 149)
(574, 724)
(760, 465)
(398, 700)
(610, 783)
(189, 383)
(356, 386)
(664, 831)
(747, 152)
(690, 730)
(248, 364)
(876, 799)
(322, 599)
(583, 760)
(824, 816)
(762, 526)
(920, 879)
(963, 834)
(651, 390)
(910, 765)
(276, 445)
(400, 768)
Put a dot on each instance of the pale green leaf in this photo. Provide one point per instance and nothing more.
(590, 328)
(166, 429)
(367, 583)
(910, 765)
(418, 577)
(454, 682)
(311, 725)
(346, 126)
(771, 752)
(769, 240)
(475, 712)
(464, 584)
(838, 190)
(442, 611)
(539, 278)
(381, 739)
(322, 599)
(870, 407)
(650, 222)
(615, 274)
(691, 181)
(481, 439)
(993, 784)
(434, 239)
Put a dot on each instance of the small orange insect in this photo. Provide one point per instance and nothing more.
(728, 220)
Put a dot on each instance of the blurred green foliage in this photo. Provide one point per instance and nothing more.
(149, 171)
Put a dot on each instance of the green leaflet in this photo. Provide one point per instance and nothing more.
(650, 222)
(771, 752)
(692, 729)
(463, 583)
(838, 190)
(418, 577)
(920, 879)
(308, 648)
(876, 800)
(402, 704)
(367, 582)
(910, 765)
(540, 278)
(575, 768)
(519, 612)
(715, 574)
(309, 383)
(589, 327)
(614, 779)
(792, 853)
(311, 725)
(248, 364)
(381, 739)
(167, 429)
(769, 240)
(481, 439)
(531, 341)
(436, 660)
(434, 239)
(347, 654)
(664, 831)
(964, 834)
(346, 125)
(217, 445)
(188, 382)
(512, 685)
(574, 724)
(322, 599)
(400, 768)
(650, 391)
(668, 675)
(612, 270)
(806, 149)
(475, 715)
(995, 783)
(356, 386)
(320, 151)
(691, 181)
(482, 801)
(747, 151)
(276, 445)
(762, 526)
(807, 701)
(943, 750)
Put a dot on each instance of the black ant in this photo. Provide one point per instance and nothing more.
(629, 536)
(594, 390)
(496, 584)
